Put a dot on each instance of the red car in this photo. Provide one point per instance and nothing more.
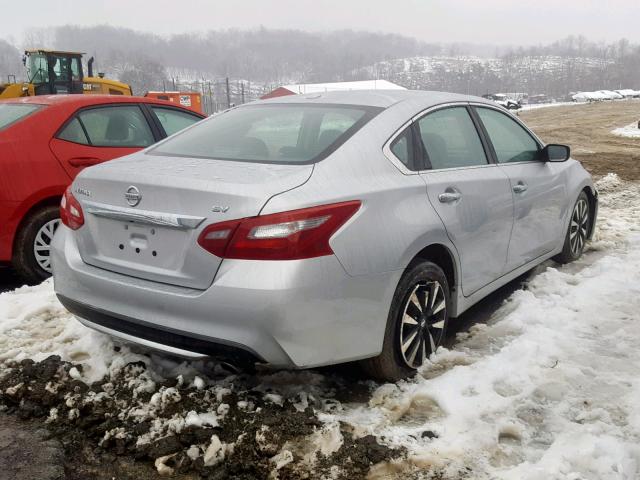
(45, 141)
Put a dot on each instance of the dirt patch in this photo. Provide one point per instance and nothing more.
(587, 129)
(132, 426)
(27, 451)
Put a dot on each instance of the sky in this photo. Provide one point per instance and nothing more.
(495, 22)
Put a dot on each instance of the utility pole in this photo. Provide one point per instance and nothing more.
(228, 94)
(242, 91)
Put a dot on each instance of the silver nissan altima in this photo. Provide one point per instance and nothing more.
(318, 229)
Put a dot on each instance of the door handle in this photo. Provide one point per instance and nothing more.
(449, 196)
(83, 161)
(520, 187)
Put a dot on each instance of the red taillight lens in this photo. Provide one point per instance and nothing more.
(216, 237)
(290, 235)
(71, 211)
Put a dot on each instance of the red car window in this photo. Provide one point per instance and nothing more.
(113, 126)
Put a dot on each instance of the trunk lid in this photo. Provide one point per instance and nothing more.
(143, 213)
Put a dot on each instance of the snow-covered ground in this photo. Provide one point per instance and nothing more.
(629, 131)
(548, 389)
(535, 106)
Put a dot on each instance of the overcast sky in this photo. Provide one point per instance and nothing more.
(478, 21)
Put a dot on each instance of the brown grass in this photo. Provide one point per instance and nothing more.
(587, 129)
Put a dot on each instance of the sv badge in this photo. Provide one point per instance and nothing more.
(219, 209)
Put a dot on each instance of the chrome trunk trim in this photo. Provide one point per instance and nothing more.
(147, 217)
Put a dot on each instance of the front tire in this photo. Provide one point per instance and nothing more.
(32, 252)
(416, 325)
(578, 231)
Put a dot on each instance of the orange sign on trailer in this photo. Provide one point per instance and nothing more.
(190, 100)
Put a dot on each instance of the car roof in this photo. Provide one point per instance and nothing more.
(378, 98)
(79, 100)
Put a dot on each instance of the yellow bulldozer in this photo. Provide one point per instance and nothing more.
(51, 72)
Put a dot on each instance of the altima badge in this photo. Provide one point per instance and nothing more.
(83, 191)
(133, 196)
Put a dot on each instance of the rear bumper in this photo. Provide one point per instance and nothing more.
(155, 337)
(291, 314)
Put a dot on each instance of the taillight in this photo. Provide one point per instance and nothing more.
(292, 235)
(71, 211)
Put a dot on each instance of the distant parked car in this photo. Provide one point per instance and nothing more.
(610, 95)
(315, 229)
(537, 99)
(45, 141)
(504, 101)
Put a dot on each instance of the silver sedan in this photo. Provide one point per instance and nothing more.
(318, 229)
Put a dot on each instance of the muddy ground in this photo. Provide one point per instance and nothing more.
(53, 426)
(129, 426)
(586, 128)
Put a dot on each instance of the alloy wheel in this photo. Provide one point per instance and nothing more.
(578, 228)
(423, 323)
(42, 244)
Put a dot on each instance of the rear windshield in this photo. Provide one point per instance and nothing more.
(10, 113)
(272, 133)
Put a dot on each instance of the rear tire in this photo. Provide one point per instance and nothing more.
(31, 255)
(578, 231)
(416, 325)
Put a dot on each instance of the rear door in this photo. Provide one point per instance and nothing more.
(97, 134)
(471, 195)
(538, 188)
(172, 120)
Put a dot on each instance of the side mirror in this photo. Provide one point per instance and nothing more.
(555, 153)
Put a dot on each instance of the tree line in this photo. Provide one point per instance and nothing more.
(263, 58)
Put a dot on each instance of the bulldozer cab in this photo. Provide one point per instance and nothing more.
(53, 72)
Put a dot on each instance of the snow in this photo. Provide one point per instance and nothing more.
(216, 451)
(548, 388)
(628, 131)
(163, 469)
(535, 106)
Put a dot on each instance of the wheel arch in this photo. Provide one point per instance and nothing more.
(442, 256)
(51, 200)
(592, 196)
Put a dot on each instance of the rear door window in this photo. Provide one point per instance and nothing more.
(402, 148)
(511, 142)
(173, 120)
(11, 113)
(116, 126)
(73, 132)
(450, 139)
(271, 133)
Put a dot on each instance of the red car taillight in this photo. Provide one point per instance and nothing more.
(71, 211)
(292, 235)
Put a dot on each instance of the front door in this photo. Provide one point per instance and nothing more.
(538, 188)
(471, 196)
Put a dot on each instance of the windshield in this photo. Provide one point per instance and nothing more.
(10, 113)
(37, 68)
(270, 133)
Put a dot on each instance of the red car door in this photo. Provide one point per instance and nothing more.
(97, 134)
